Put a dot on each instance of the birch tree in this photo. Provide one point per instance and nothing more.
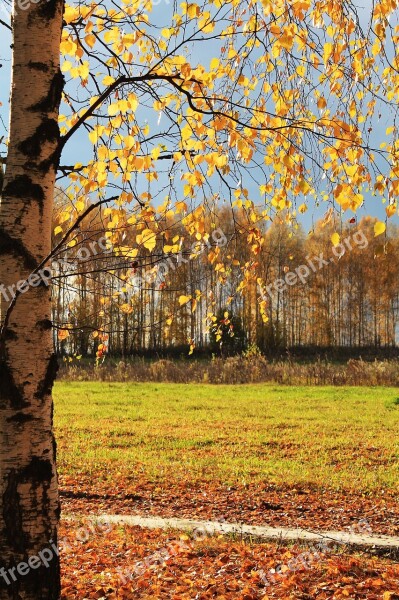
(29, 504)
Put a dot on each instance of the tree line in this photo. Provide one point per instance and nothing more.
(334, 286)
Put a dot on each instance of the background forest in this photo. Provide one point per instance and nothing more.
(350, 299)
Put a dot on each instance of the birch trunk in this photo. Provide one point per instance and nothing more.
(29, 504)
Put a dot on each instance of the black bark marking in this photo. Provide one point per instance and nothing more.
(45, 324)
(48, 131)
(23, 187)
(10, 245)
(46, 385)
(54, 448)
(51, 101)
(42, 283)
(52, 161)
(41, 583)
(12, 514)
(10, 335)
(47, 9)
(38, 472)
(39, 66)
(20, 418)
(11, 395)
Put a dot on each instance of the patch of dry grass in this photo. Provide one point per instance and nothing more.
(237, 370)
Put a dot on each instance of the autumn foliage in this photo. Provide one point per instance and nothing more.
(284, 115)
(167, 296)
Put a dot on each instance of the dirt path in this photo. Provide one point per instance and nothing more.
(375, 544)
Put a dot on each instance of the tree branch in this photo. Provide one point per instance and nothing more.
(123, 80)
(66, 169)
(93, 107)
(5, 24)
(45, 260)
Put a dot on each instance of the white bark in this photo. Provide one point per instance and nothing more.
(29, 505)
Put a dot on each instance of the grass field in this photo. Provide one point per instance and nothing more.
(341, 438)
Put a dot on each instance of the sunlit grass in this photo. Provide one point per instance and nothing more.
(331, 437)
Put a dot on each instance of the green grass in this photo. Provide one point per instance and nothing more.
(343, 438)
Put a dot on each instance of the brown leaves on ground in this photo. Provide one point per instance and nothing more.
(309, 508)
(134, 563)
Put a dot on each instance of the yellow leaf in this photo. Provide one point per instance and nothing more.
(113, 109)
(112, 35)
(301, 70)
(169, 248)
(128, 252)
(65, 216)
(66, 66)
(328, 48)
(108, 80)
(90, 40)
(71, 13)
(93, 136)
(335, 239)
(155, 152)
(232, 53)
(166, 33)
(184, 300)
(181, 207)
(133, 102)
(57, 230)
(129, 142)
(63, 334)
(193, 10)
(379, 228)
(148, 239)
(84, 70)
(127, 309)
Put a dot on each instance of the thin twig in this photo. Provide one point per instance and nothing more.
(45, 260)
(5, 24)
